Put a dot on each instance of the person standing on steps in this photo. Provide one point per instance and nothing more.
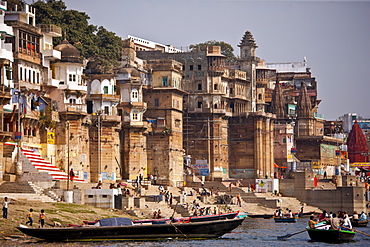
(71, 174)
(239, 200)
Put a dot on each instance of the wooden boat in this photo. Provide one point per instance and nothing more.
(210, 217)
(123, 229)
(305, 214)
(264, 216)
(286, 219)
(359, 223)
(330, 236)
(242, 215)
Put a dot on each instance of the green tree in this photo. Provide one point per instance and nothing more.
(94, 43)
(226, 49)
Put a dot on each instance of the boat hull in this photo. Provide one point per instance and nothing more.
(359, 223)
(264, 216)
(285, 220)
(204, 218)
(330, 236)
(209, 229)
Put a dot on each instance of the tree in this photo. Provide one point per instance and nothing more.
(94, 43)
(226, 49)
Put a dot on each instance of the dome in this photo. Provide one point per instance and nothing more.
(69, 52)
(132, 71)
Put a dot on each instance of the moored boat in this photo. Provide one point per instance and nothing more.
(210, 217)
(127, 231)
(330, 236)
(286, 219)
(264, 216)
(359, 223)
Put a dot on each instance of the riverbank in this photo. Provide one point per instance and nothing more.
(63, 213)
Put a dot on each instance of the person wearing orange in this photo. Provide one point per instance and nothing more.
(42, 218)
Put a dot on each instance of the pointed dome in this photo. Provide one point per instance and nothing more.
(357, 145)
(304, 103)
(69, 52)
(248, 40)
(278, 103)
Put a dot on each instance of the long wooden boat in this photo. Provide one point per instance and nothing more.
(264, 216)
(285, 219)
(203, 218)
(208, 229)
(330, 236)
(359, 223)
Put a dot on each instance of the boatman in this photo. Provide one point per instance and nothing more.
(312, 222)
(335, 222)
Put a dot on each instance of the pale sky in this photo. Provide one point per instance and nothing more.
(333, 35)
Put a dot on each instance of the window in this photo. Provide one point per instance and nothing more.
(72, 77)
(28, 43)
(284, 140)
(199, 86)
(21, 74)
(231, 90)
(105, 89)
(191, 67)
(135, 94)
(199, 104)
(34, 77)
(164, 81)
(134, 116)
(215, 87)
(259, 96)
(199, 67)
(156, 102)
(106, 110)
(72, 101)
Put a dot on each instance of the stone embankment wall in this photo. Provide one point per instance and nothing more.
(301, 186)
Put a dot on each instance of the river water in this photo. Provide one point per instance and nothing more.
(253, 232)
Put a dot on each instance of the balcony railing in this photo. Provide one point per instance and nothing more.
(76, 108)
(51, 29)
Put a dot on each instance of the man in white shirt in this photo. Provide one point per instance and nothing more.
(5, 207)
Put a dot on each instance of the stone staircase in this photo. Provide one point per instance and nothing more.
(26, 191)
(33, 163)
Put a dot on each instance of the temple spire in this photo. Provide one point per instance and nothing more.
(304, 109)
(357, 146)
(278, 103)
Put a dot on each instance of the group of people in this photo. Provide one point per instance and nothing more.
(42, 215)
(279, 213)
(336, 221)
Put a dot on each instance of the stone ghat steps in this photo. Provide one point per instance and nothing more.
(17, 187)
(42, 165)
(24, 191)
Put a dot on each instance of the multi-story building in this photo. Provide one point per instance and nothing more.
(223, 132)
(7, 127)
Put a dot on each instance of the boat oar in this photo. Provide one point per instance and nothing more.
(292, 234)
(354, 230)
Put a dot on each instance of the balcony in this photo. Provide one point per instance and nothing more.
(3, 5)
(104, 97)
(81, 108)
(51, 29)
(6, 54)
(52, 54)
(6, 30)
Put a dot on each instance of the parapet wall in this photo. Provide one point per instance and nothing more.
(348, 198)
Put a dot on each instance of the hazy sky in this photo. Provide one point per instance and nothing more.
(333, 35)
